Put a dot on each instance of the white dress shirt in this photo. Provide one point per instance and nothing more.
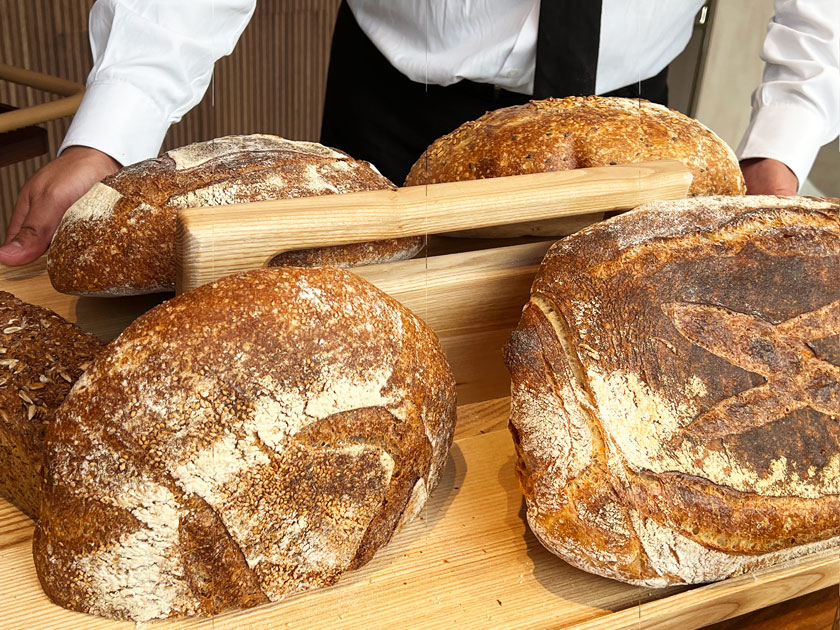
(153, 60)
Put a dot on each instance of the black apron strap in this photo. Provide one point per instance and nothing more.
(654, 89)
(567, 48)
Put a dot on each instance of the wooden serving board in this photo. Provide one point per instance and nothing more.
(469, 560)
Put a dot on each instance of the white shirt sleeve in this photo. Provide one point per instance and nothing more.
(796, 109)
(153, 60)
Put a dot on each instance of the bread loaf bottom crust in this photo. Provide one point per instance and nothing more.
(258, 436)
(675, 390)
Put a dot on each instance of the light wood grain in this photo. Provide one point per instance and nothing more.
(215, 242)
(482, 417)
(472, 300)
(104, 317)
(815, 611)
(465, 292)
(434, 572)
(699, 607)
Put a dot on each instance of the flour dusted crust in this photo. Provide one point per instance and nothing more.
(119, 238)
(676, 389)
(258, 436)
(41, 356)
(347, 256)
(577, 132)
(199, 153)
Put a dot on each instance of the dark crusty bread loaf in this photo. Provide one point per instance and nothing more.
(252, 438)
(676, 389)
(41, 356)
(577, 132)
(119, 239)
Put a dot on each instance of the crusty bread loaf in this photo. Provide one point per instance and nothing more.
(119, 239)
(576, 132)
(676, 389)
(41, 356)
(252, 438)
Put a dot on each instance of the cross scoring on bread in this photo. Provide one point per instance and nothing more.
(795, 377)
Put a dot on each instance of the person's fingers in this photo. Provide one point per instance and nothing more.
(22, 249)
(19, 215)
(45, 198)
(33, 237)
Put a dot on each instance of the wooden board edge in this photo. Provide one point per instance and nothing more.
(699, 607)
(217, 241)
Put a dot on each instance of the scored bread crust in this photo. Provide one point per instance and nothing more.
(41, 356)
(576, 132)
(119, 238)
(675, 389)
(258, 436)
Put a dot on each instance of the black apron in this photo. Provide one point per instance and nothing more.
(374, 112)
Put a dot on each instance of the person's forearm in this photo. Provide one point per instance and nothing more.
(796, 109)
(153, 60)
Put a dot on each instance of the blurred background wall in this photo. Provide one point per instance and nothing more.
(274, 81)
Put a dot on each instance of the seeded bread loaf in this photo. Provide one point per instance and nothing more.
(676, 390)
(258, 436)
(41, 357)
(576, 132)
(119, 239)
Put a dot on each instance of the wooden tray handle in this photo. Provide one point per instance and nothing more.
(215, 242)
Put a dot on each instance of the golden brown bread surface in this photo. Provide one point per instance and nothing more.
(255, 437)
(577, 132)
(676, 389)
(41, 356)
(348, 256)
(119, 239)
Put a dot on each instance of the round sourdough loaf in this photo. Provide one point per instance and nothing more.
(119, 239)
(258, 436)
(41, 356)
(676, 389)
(576, 132)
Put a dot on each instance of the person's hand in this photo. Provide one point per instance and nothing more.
(44, 199)
(766, 176)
